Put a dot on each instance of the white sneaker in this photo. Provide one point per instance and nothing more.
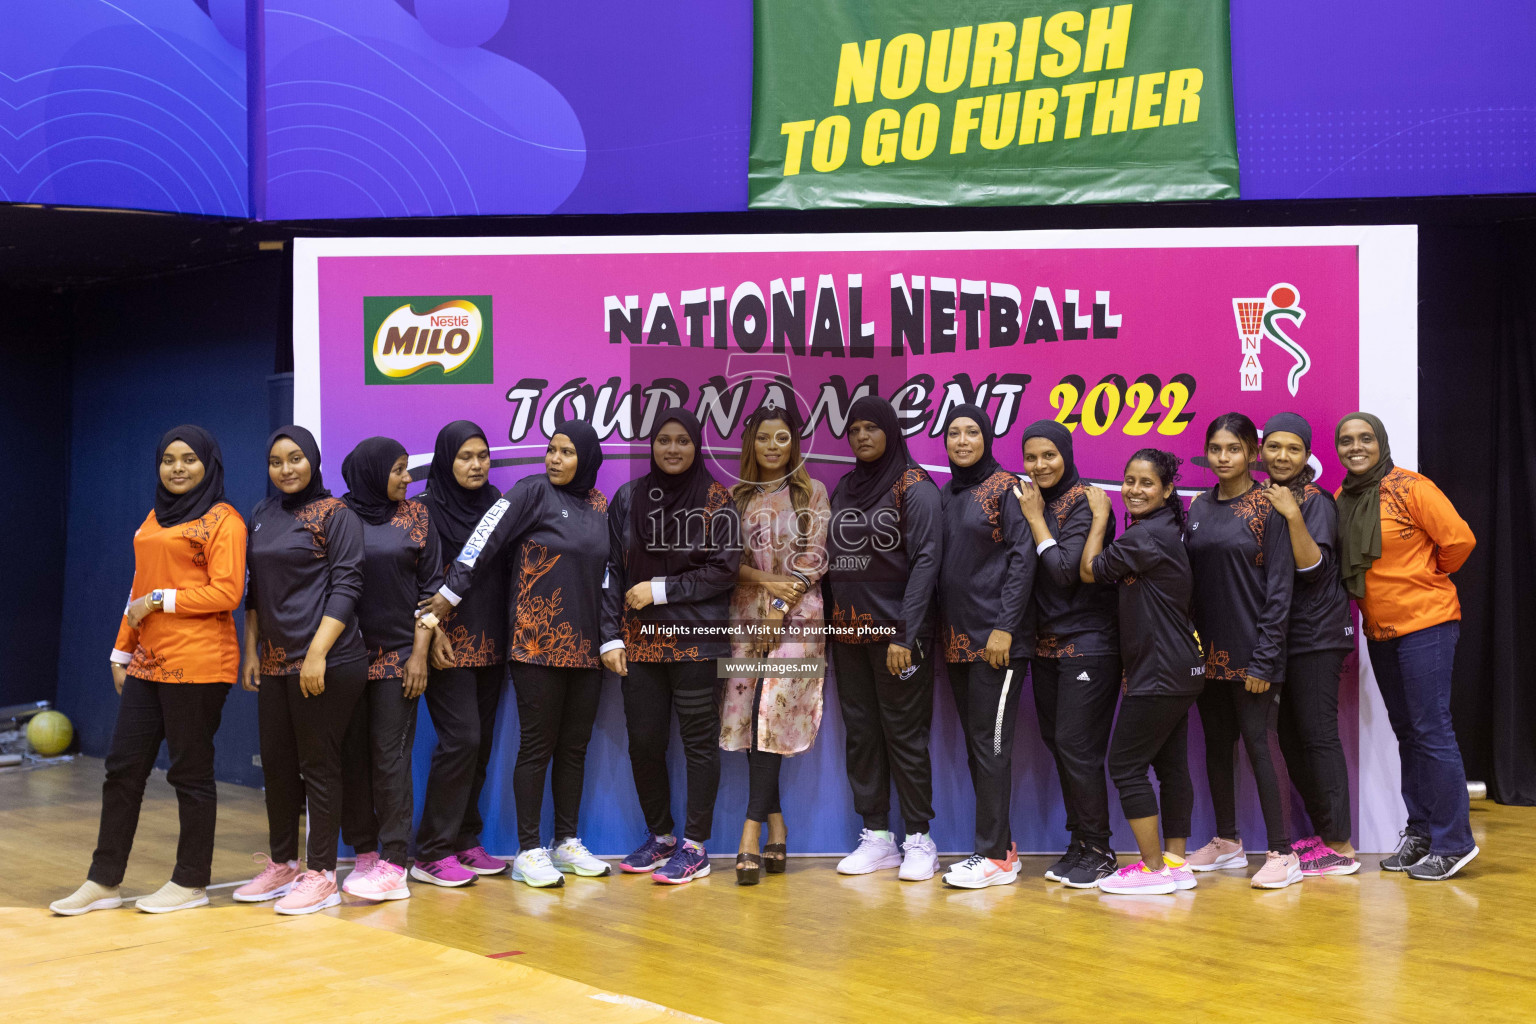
(572, 857)
(172, 897)
(978, 872)
(90, 896)
(876, 852)
(920, 860)
(534, 867)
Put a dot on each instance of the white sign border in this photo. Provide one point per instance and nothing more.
(1388, 273)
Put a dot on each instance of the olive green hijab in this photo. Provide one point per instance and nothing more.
(1360, 510)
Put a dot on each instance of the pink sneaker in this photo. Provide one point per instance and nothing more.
(1302, 845)
(1136, 878)
(362, 866)
(481, 863)
(1183, 878)
(1325, 860)
(447, 871)
(1218, 854)
(315, 890)
(1279, 871)
(385, 882)
(275, 879)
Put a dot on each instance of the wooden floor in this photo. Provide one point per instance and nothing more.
(808, 946)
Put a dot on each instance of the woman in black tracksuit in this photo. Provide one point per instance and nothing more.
(674, 553)
(1164, 667)
(400, 567)
(555, 526)
(984, 588)
(1076, 665)
(305, 656)
(884, 545)
(1240, 549)
(464, 687)
(1320, 637)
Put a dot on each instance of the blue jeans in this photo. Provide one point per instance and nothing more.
(1413, 672)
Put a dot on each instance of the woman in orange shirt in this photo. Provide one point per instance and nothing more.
(174, 661)
(1399, 540)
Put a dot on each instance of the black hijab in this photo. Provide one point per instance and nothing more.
(315, 489)
(965, 477)
(1360, 510)
(663, 501)
(589, 456)
(1061, 437)
(454, 508)
(366, 471)
(867, 482)
(175, 509)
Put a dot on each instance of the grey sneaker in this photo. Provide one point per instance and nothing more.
(87, 898)
(1410, 851)
(172, 897)
(1438, 867)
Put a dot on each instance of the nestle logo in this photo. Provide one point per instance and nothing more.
(427, 339)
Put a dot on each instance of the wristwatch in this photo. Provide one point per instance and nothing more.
(778, 604)
(157, 598)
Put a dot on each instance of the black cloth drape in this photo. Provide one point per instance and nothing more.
(1477, 441)
(1513, 593)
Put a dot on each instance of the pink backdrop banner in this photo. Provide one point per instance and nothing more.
(1131, 343)
(1170, 312)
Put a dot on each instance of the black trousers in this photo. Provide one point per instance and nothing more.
(359, 822)
(1075, 703)
(1229, 712)
(763, 785)
(651, 690)
(1154, 731)
(987, 701)
(301, 741)
(887, 721)
(377, 794)
(185, 716)
(462, 702)
(555, 708)
(1309, 739)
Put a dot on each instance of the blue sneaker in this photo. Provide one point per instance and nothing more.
(653, 853)
(689, 862)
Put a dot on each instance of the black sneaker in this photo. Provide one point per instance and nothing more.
(1058, 872)
(1438, 867)
(1092, 865)
(1410, 851)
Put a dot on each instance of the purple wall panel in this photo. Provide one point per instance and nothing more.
(1384, 99)
(463, 107)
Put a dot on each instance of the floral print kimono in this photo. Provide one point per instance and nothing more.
(787, 712)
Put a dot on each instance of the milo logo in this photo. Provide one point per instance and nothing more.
(427, 339)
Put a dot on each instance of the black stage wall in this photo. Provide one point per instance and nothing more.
(34, 419)
(201, 346)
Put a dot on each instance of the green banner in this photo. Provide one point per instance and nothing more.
(990, 103)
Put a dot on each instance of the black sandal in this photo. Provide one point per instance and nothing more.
(775, 857)
(749, 868)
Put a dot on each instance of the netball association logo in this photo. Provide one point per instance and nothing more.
(1256, 321)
